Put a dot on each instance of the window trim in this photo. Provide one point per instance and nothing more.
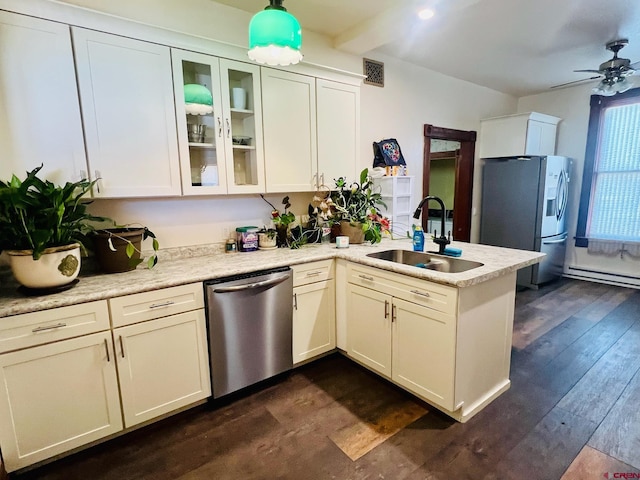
(598, 103)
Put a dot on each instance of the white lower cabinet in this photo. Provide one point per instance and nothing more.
(314, 310)
(57, 397)
(162, 365)
(59, 370)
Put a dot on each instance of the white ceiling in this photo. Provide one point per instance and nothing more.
(519, 47)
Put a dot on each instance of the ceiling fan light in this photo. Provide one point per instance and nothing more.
(609, 87)
(275, 37)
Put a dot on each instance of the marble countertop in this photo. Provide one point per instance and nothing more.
(196, 264)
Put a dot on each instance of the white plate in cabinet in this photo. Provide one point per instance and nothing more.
(57, 397)
(126, 93)
(140, 307)
(314, 320)
(37, 328)
(305, 273)
(162, 365)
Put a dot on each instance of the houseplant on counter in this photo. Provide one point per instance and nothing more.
(43, 227)
(355, 207)
(119, 249)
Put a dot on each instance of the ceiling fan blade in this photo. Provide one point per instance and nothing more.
(635, 66)
(588, 71)
(575, 82)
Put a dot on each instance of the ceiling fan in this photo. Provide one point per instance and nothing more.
(614, 71)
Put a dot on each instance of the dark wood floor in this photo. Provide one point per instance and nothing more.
(572, 412)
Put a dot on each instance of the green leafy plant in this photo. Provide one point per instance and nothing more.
(36, 214)
(131, 248)
(358, 204)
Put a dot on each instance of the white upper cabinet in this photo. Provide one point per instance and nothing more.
(39, 110)
(516, 135)
(338, 109)
(242, 126)
(289, 109)
(201, 137)
(126, 95)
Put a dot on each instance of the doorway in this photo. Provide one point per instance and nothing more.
(458, 167)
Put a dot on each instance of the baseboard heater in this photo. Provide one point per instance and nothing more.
(605, 277)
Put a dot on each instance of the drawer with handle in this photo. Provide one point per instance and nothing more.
(435, 296)
(306, 273)
(140, 307)
(37, 328)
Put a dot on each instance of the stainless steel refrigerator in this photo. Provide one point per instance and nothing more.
(524, 204)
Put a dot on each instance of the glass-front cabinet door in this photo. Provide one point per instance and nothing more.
(240, 84)
(200, 121)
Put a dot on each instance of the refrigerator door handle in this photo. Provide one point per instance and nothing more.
(563, 193)
(560, 240)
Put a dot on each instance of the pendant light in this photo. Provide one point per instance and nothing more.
(275, 36)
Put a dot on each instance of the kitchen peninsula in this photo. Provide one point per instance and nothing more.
(445, 337)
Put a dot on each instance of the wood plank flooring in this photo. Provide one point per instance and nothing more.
(572, 413)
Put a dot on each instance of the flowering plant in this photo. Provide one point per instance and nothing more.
(358, 204)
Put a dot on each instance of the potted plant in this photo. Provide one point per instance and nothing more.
(267, 238)
(119, 249)
(43, 227)
(355, 207)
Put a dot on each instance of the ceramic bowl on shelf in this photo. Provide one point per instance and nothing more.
(239, 140)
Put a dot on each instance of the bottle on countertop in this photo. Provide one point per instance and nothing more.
(418, 238)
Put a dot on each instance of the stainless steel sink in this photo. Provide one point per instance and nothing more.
(429, 261)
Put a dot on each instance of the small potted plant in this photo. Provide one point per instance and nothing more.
(119, 249)
(267, 238)
(355, 207)
(43, 228)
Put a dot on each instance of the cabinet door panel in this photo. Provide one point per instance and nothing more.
(57, 397)
(162, 365)
(289, 121)
(314, 320)
(338, 130)
(126, 93)
(40, 112)
(369, 328)
(424, 352)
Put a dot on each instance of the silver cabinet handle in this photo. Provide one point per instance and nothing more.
(228, 127)
(295, 301)
(422, 294)
(219, 128)
(121, 346)
(366, 277)
(313, 274)
(163, 304)
(386, 309)
(106, 347)
(49, 327)
(393, 313)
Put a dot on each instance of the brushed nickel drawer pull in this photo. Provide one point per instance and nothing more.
(106, 347)
(295, 301)
(49, 327)
(418, 292)
(393, 313)
(366, 277)
(313, 274)
(386, 309)
(121, 346)
(163, 304)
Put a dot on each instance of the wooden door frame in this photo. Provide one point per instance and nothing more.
(463, 193)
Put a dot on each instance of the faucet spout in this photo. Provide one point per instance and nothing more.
(442, 240)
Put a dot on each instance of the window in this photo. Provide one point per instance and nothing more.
(610, 198)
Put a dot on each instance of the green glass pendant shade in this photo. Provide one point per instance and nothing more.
(275, 37)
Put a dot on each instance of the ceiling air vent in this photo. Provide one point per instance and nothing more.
(374, 72)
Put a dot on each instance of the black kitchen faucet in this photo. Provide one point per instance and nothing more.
(442, 241)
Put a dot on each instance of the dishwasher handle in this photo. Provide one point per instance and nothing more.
(248, 286)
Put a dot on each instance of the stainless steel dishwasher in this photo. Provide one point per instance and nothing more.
(249, 322)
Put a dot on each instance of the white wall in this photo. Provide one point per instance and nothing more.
(572, 105)
(412, 96)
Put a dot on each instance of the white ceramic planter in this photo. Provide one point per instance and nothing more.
(56, 267)
(264, 241)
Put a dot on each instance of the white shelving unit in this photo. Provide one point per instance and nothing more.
(396, 194)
